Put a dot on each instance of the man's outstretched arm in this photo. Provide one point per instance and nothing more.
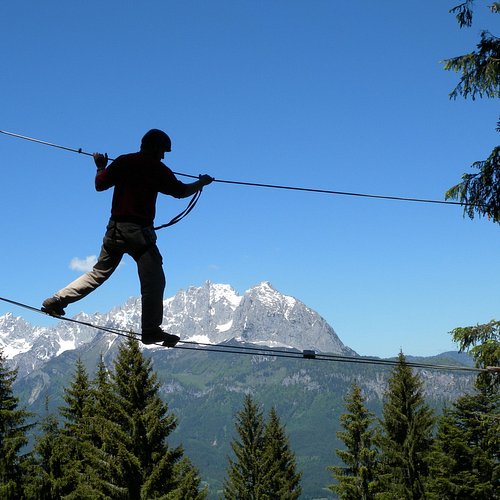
(190, 189)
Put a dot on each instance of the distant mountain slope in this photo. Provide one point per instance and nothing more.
(212, 313)
(205, 389)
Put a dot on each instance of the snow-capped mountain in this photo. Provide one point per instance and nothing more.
(212, 313)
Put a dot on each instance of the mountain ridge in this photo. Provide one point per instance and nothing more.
(211, 313)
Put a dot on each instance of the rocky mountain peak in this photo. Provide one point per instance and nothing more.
(211, 313)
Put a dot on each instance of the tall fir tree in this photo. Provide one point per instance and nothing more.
(13, 435)
(44, 471)
(281, 479)
(357, 480)
(157, 471)
(79, 477)
(406, 436)
(71, 461)
(245, 473)
(112, 441)
(114, 462)
(465, 462)
(264, 467)
(76, 397)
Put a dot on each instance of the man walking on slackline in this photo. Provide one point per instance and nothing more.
(137, 179)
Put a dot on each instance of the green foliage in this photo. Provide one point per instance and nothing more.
(265, 466)
(480, 192)
(465, 462)
(159, 471)
(112, 443)
(45, 478)
(356, 481)
(77, 398)
(406, 436)
(483, 343)
(281, 480)
(13, 436)
(245, 474)
(307, 396)
(480, 70)
(188, 485)
(480, 76)
(464, 13)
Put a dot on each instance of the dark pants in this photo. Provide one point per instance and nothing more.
(140, 243)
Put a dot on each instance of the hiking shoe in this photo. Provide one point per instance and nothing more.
(154, 335)
(53, 306)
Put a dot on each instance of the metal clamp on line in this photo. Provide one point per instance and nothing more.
(309, 354)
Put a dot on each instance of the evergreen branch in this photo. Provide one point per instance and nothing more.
(480, 69)
(463, 12)
(483, 343)
(480, 193)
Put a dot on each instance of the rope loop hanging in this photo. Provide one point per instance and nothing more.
(192, 203)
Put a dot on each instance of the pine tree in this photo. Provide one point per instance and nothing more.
(465, 462)
(72, 461)
(44, 471)
(157, 470)
(13, 435)
(108, 443)
(77, 398)
(356, 481)
(79, 479)
(406, 436)
(245, 474)
(281, 480)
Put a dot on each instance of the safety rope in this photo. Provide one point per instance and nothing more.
(272, 186)
(263, 351)
(307, 354)
(174, 220)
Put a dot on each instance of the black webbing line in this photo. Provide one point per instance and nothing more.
(116, 331)
(261, 351)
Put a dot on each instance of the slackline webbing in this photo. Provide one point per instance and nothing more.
(262, 351)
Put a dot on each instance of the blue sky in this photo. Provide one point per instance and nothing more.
(347, 96)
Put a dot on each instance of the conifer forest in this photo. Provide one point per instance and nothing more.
(110, 439)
